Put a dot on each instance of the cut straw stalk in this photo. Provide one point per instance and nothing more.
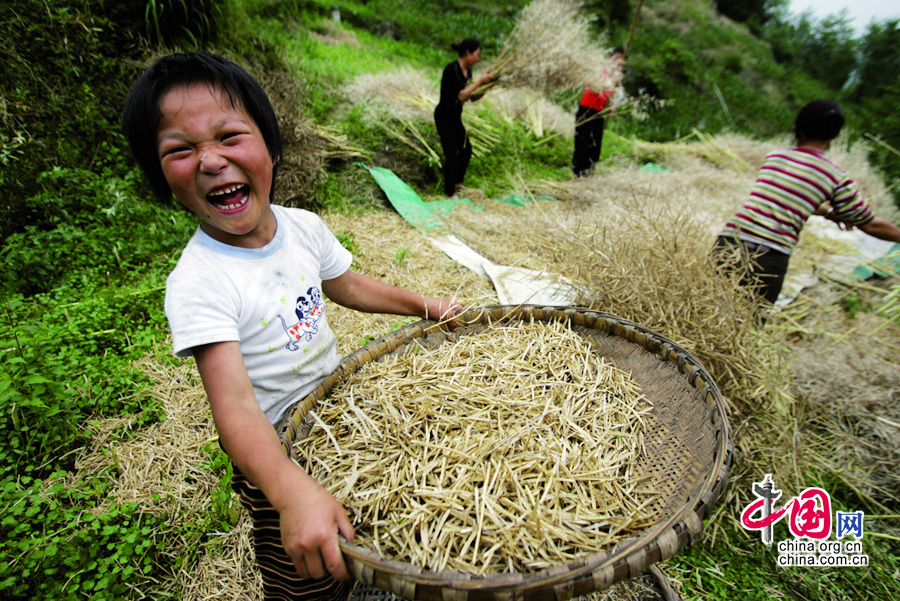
(707, 148)
(510, 450)
(550, 48)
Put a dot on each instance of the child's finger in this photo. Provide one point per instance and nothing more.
(334, 561)
(449, 314)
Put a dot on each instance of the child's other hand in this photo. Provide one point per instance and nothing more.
(309, 532)
(442, 309)
(828, 213)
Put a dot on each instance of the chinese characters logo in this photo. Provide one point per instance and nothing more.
(809, 519)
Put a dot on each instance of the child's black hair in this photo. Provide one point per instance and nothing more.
(466, 45)
(819, 120)
(141, 114)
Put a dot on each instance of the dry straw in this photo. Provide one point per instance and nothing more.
(402, 103)
(164, 470)
(337, 145)
(511, 450)
(550, 48)
(816, 388)
(705, 146)
(531, 109)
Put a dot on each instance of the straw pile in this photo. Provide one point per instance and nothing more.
(532, 109)
(408, 95)
(402, 103)
(164, 469)
(550, 48)
(405, 93)
(511, 450)
(640, 244)
(815, 389)
(304, 153)
(706, 146)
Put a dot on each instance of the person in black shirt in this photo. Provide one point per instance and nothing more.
(457, 86)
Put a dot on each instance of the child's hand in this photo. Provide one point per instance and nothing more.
(309, 532)
(827, 211)
(442, 309)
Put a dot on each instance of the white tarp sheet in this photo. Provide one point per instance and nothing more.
(860, 249)
(514, 285)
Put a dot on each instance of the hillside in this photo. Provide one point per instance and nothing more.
(112, 483)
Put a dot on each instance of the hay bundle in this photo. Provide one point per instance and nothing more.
(304, 153)
(509, 451)
(406, 93)
(532, 109)
(550, 48)
(705, 146)
(337, 145)
(401, 101)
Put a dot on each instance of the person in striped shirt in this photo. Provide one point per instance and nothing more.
(792, 185)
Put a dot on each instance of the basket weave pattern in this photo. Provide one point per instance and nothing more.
(688, 453)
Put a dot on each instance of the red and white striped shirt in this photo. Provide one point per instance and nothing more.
(791, 185)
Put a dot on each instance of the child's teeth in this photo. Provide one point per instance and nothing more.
(226, 191)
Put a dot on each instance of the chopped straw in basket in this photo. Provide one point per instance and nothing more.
(510, 450)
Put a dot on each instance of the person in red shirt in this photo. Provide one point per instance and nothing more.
(589, 126)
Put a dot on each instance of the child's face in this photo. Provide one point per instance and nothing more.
(216, 162)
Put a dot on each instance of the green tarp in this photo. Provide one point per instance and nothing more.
(421, 214)
(406, 201)
(886, 265)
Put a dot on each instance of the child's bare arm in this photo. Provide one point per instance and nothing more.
(882, 229)
(362, 293)
(310, 517)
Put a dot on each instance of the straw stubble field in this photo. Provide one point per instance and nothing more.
(813, 390)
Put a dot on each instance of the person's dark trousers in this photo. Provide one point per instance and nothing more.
(588, 139)
(457, 152)
(761, 268)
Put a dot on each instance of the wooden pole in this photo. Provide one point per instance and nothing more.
(637, 13)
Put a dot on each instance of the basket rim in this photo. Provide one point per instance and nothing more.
(683, 526)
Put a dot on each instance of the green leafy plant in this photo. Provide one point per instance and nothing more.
(400, 255)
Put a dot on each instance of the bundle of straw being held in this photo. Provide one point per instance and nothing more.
(510, 450)
(551, 48)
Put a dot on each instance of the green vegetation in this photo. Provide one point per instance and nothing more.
(86, 251)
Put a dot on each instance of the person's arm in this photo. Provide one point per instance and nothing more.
(362, 293)
(882, 229)
(467, 91)
(310, 517)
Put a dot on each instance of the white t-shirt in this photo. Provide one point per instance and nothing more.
(268, 299)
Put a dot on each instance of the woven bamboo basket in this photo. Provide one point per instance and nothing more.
(687, 456)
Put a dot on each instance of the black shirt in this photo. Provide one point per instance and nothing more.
(453, 81)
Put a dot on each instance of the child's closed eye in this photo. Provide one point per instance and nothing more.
(232, 137)
(177, 151)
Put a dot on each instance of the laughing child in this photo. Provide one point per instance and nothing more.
(245, 300)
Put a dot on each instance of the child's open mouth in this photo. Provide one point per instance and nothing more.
(230, 198)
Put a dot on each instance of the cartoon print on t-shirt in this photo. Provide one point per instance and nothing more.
(309, 310)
